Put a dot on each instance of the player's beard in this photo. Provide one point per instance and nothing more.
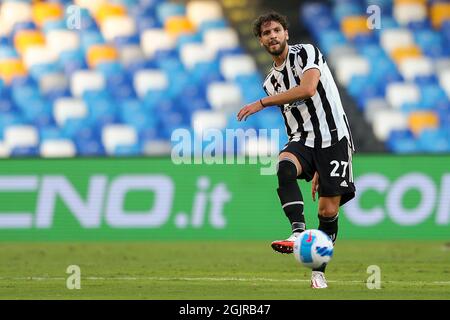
(279, 51)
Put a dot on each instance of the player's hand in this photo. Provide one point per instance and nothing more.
(248, 110)
(315, 186)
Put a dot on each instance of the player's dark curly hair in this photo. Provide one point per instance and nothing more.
(267, 17)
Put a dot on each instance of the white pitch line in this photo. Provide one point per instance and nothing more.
(224, 279)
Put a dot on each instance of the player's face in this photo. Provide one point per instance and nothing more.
(273, 37)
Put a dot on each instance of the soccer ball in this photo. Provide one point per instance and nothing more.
(313, 248)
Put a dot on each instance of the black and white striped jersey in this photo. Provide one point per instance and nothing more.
(317, 122)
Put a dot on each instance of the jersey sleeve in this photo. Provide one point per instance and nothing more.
(310, 57)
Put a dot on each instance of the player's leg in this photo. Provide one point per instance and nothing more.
(289, 168)
(334, 165)
(328, 223)
(292, 165)
(328, 215)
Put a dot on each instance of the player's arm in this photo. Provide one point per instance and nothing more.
(305, 90)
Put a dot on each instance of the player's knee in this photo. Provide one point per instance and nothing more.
(328, 210)
(287, 172)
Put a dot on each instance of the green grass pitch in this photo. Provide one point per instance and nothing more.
(220, 270)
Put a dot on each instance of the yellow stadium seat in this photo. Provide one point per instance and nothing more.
(100, 53)
(45, 11)
(422, 2)
(402, 53)
(439, 13)
(107, 10)
(420, 120)
(177, 25)
(10, 68)
(27, 38)
(354, 25)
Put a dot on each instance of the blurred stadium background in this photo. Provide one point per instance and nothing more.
(102, 84)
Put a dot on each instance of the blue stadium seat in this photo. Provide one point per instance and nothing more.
(71, 61)
(18, 152)
(434, 140)
(165, 10)
(88, 147)
(126, 40)
(329, 39)
(19, 26)
(431, 95)
(39, 70)
(402, 141)
(7, 51)
(54, 25)
(127, 150)
(430, 42)
(51, 132)
(346, 9)
(212, 24)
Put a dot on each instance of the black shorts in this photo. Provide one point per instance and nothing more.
(334, 165)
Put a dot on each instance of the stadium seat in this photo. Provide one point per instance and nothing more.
(433, 140)
(84, 80)
(411, 68)
(118, 26)
(46, 11)
(11, 68)
(420, 120)
(131, 54)
(402, 141)
(224, 96)
(430, 42)
(354, 25)
(406, 13)
(108, 10)
(439, 12)
(5, 151)
(28, 38)
(258, 147)
(391, 39)
(153, 40)
(91, 5)
(156, 148)
(178, 25)
(37, 55)
(387, 120)
(53, 82)
(57, 148)
(146, 80)
(234, 65)
(68, 108)
(398, 93)
(199, 12)
(101, 53)
(193, 53)
(338, 51)
(12, 12)
(20, 136)
(444, 81)
(217, 39)
(118, 135)
(59, 41)
(165, 10)
(348, 66)
(203, 120)
(401, 53)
